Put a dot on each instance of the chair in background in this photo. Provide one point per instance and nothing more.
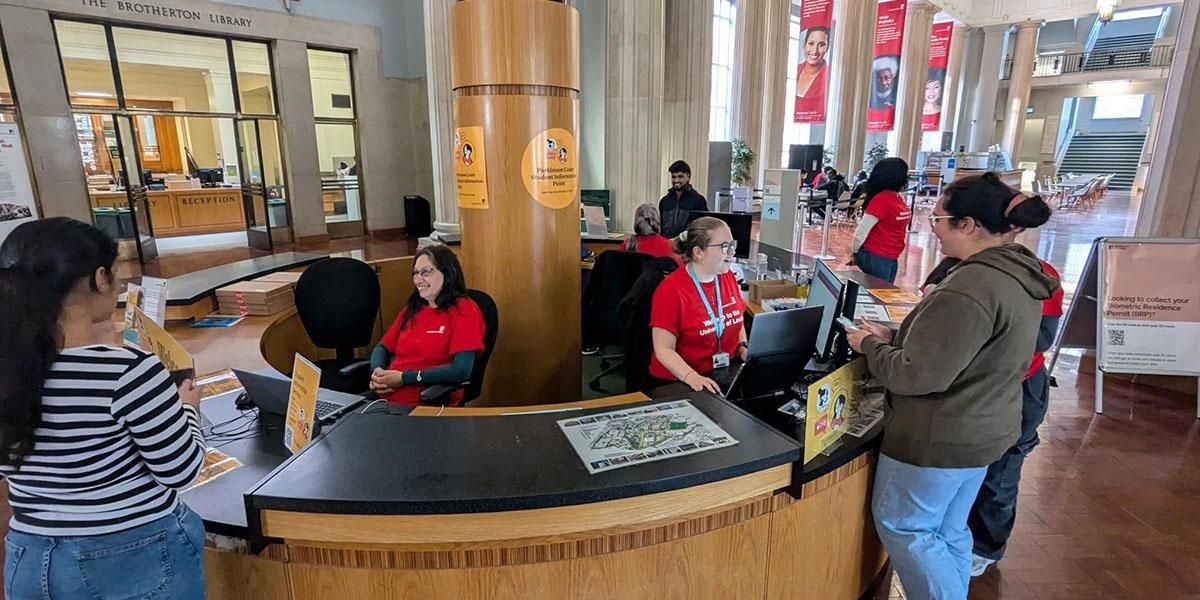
(612, 278)
(442, 393)
(634, 314)
(337, 300)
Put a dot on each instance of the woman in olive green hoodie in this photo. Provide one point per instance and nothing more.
(953, 373)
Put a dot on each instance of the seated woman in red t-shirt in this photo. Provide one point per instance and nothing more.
(647, 238)
(697, 312)
(436, 336)
(882, 233)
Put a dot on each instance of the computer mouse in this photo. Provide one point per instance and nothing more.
(243, 401)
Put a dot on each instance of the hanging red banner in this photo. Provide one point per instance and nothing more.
(812, 65)
(885, 69)
(935, 84)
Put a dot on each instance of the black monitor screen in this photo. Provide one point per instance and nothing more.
(739, 225)
(826, 290)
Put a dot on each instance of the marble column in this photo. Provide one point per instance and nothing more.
(1019, 87)
(853, 20)
(983, 102)
(1171, 204)
(775, 102)
(441, 115)
(862, 86)
(298, 134)
(749, 70)
(687, 77)
(634, 106)
(914, 72)
(953, 77)
(968, 77)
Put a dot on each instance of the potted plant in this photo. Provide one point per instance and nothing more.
(742, 158)
(877, 153)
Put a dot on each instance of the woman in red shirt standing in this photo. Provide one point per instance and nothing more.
(882, 233)
(647, 238)
(436, 336)
(696, 316)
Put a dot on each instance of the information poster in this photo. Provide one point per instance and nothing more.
(831, 401)
(16, 191)
(1151, 307)
(154, 298)
(155, 340)
(812, 64)
(302, 404)
(549, 168)
(935, 84)
(470, 167)
(885, 68)
(645, 434)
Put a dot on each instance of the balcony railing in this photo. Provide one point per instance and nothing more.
(1097, 60)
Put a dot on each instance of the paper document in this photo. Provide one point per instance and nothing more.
(899, 312)
(155, 340)
(216, 464)
(873, 312)
(594, 220)
(154, 301)
(897, 295)
(633, 436)
(133, 299)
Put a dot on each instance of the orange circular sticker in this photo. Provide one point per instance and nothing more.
(550, 168)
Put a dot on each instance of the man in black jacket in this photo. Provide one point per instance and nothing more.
(681, 200)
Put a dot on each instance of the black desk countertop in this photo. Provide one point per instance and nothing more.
(390, 464)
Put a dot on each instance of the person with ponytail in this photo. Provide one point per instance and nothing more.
(95, 440)
(882, 234)
(647, 237)
(697, 313)
(953, 374)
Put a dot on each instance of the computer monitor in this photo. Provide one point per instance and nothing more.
(806, 157)
(210, 177)
(739, 224)
(826, 291)
(781, 343)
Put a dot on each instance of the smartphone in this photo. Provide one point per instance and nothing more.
(847, 324)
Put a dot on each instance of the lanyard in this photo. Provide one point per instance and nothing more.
(718, 322)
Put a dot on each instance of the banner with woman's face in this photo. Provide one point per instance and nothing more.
(885, 69)
(935, 84)
(812, 64)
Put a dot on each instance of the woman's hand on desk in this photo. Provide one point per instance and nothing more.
(384, 381)
(699, 382)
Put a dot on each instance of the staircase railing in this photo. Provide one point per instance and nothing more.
(1097, 60)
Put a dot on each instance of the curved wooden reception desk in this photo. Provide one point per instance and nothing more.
(493, 503)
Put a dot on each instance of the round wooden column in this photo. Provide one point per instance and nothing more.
(515, 75)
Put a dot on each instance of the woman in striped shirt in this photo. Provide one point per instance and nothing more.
(95, 439)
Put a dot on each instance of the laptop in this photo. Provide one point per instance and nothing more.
(270, 394)
(781, 343)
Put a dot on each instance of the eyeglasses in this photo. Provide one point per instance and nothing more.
(933, 219)
(726, 247)
(424, 273)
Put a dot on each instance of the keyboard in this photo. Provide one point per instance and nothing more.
(326, 408)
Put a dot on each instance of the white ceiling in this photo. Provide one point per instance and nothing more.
(981, 13)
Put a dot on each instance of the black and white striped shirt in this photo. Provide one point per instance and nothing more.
(114, 444)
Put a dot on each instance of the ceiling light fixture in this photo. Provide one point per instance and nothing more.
(94, 94)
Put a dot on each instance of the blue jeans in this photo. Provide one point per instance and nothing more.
(995, 510)
(161, 559)
(921, 516)
(873, 264)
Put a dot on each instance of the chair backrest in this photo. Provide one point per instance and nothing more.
(338, 303)
(612, 277)
(634, 312)
(491, 328)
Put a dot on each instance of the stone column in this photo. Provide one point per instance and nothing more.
(983, 104)
(441, 115)
(1019, 86)
(853, 20)
(634, 106)
(687, 90)
(50, 139)
(953, 77)
(914, 72)
(775, 113)
(749, 70)
(299, 138)
(1171, 204)
(862, 86)
(968, 74)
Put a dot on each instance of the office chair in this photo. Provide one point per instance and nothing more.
(612, 278)
(337, 300)
(442, 393)
(634, 313)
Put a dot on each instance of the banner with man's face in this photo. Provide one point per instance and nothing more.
(885, 69)
(935, 85)
(812, 65)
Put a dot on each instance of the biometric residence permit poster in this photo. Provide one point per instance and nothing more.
(831, 400)
(622, 438)
(935, 83)
(16, 190)
(1151, 307)
(302, 404)
(812, 65)
(885, 68)
(470, 167)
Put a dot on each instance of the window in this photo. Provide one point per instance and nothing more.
(329, 73)
(1119, 107)
(337, 134)
(87, 67)
(1138, 13)
(720, 111)
(188, 72)
(255, 89)
(793, 133)
(6, 98)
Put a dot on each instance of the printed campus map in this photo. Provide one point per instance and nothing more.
(621, 438)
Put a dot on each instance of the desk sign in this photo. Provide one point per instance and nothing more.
(302, 404)
(830, 401)
(470, 167)
(157, 341)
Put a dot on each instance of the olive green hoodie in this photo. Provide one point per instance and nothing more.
(953, 370)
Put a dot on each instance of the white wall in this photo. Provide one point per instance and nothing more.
(593, 77)
(1086, 124)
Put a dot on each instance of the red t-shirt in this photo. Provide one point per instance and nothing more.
(677, 308)
(889, 236)
(431, 340)
(1051, 307)
(654, 245)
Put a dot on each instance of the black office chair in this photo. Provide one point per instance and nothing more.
(634, 314)
(612, 278)
(338, 303)
(441, 393)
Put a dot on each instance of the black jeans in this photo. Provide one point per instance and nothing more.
(995, 510)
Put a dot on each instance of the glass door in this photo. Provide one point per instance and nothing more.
(254, 189)
(130, 176)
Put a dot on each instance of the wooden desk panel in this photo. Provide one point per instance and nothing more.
(186, 212)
